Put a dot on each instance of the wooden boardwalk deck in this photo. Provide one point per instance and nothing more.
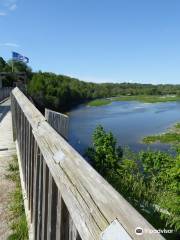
(7, 151)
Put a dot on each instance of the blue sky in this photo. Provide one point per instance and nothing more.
(96, 40)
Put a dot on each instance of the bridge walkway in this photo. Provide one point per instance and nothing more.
(7, 152)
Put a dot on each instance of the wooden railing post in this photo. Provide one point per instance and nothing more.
(59, 121)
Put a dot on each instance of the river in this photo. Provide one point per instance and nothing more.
(129, 121)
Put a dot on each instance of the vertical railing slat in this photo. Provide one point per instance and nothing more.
(30, 165)
(36, 190)
(45, 200)
(52, 209)
(39, 206)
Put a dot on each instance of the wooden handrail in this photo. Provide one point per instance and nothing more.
(67, 198)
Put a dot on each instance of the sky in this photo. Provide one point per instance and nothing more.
(95, 40)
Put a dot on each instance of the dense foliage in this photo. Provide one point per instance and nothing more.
(62, 92)
(150, 180)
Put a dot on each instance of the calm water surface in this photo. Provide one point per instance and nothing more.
(129, 122)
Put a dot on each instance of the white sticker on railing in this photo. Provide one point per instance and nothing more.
(59, 157)
(115, 232)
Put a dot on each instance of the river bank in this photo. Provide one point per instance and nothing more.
(172, 136)
(140, 98)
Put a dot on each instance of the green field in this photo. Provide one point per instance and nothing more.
(141, 98)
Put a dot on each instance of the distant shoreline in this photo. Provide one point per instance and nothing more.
(140, 98)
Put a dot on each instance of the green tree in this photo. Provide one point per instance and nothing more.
(149, 180)
(105, 155)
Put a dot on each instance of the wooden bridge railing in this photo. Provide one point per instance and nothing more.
(5, 92)
(67, 198)
(59, 121)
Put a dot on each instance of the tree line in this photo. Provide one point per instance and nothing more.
(61, 92)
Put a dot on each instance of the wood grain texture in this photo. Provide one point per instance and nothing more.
(45, 200)
(59, 121)
(91, 202)
(65, 227)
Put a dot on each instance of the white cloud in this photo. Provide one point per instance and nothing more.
(7, 5)
(2, 14)
(8, 44)
(13, 7)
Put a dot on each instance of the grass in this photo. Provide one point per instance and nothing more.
(177, 125)
(18, 223)
(140, 98)
(163, 138)
(172, 136)
(99, 102)
(149, 99)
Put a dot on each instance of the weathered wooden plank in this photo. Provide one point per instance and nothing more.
(28, 159)
(64, 221)
(26, 149)
(59, 121)
(22, 122)
(91, 202)
(59, 217)
(40, 192)
(30, 154)
(45, 200)
(36, 190)
(52, 208)
(33, 167)
(73, 234)
(33, 117)
(79, 210)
